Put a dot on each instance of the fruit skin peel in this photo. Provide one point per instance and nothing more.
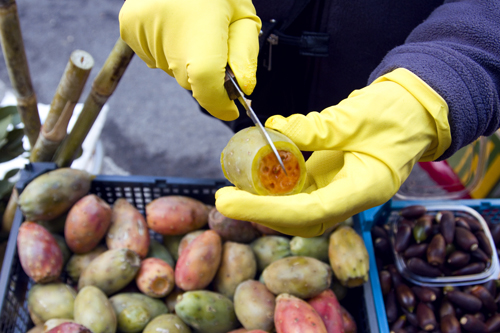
(248, 162)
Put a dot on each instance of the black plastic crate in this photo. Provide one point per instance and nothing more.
(138, 190)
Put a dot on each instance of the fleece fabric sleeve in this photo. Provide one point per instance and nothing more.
(456, 50)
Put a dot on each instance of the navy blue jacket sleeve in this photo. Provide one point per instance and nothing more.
(456, 50)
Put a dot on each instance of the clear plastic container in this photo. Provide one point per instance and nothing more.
(454, 178)
(491, 272)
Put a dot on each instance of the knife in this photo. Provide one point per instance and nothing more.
(234, 92)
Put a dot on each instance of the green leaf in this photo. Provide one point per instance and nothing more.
(11, 173)
(14, 146)
(5, 188)
(4, 123)
(12, 111)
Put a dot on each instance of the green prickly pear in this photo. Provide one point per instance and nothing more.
(78, 262)
(94, 310)
(254, 305)
(270, 248)
(206, 311)
(111, 270)
(316, 247)
(237, 265)
(160, 251)
(170, 323)
(50, 301)
(348, 257)
(303, 277)
(53, 193)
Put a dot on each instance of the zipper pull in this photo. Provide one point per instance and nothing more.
(272, 40)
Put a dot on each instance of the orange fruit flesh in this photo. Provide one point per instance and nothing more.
(271, 174)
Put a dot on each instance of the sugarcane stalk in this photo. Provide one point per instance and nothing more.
(68, 93)
(17, 67)
(102, 88)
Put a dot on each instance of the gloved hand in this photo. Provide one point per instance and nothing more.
(364, 149)
(193, 41)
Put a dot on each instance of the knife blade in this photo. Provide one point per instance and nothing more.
(235, 92)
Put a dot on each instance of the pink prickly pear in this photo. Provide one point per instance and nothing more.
(155, 278)
(40, 256)
(328, 307)
(294, 315)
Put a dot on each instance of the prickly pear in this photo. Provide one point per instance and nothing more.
(250, 164)
(94, 310)
(69, 327)
(167, 323)
(206, 311)
(254, 305)
(270, 248)
(348, 257)
(53, 193)
(40, 255)
(300, 276)
(231, 229)
(128, 229)
(78, 262)
(87, 223)
(198, 263)
(293, 314)
(111, 270)
(50, 301)
(155, 278)
(176, 215)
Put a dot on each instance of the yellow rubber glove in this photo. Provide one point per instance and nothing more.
(364, 149)
(193, 41)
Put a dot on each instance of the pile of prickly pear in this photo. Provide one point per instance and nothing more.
(178, 267)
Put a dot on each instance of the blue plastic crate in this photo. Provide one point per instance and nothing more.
(378, 216)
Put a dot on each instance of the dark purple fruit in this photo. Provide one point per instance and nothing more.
(426, 318)
(473, 324)
(421, 267)
(468, 302)
(406, 298)
(450, 324)
(473, 268)
(436, 251)
(413, 212)
(465, 239)
(403, 238)
(458, 259)
(416, 250)
(447, 226)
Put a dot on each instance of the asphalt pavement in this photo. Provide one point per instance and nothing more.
(153, 126)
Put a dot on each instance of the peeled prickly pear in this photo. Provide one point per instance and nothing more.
(254, 305)
(53, 193)
(303, 277)
(87, 223)
(251, 165)
(206, 311)
(238, 264)
(111, 270)
(199, 261)
(94, 310)
(348, 257)
(50, 301)
(293, 314)
(40, 255)
(155, 278)
(176, 215)
(128, 229)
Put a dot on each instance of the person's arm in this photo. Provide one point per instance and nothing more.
(456, 51)
(428, 98)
